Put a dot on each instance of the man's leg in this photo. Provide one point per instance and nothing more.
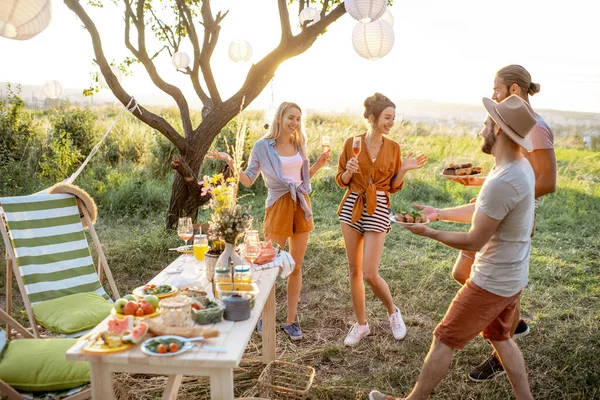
(434, 369)
(514, 365)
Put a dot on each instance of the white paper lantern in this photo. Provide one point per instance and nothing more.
(181, 60)
(24, 19)
(373, 40)
(365, 10)
(240, 51)
(310, 14)
(388, 17)
(52, 89)
(102, 80)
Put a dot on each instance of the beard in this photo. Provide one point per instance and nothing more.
(488, 143)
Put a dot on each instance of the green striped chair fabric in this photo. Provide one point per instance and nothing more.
(50, 247)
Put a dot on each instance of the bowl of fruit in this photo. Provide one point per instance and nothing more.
(146, 307)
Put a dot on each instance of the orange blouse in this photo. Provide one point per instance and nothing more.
(372, 176)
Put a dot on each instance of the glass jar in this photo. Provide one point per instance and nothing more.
(242, 274)
(200, 246)
(175, 311)
(222, 274)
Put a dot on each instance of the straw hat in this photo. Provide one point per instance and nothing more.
(515, 117)
(82, 195)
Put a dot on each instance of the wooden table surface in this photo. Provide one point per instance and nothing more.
(234, 337)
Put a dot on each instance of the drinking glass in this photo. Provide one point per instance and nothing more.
(356, 146)
(325, 147)
(185, 229)
(251, 244)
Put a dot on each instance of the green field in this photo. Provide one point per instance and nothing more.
(561, 302)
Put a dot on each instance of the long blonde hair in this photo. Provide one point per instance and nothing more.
(298, 139)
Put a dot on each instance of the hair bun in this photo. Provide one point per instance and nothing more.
(533, 88)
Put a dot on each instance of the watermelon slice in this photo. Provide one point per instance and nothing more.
(136, 334)
(268, 245)
(118, 326)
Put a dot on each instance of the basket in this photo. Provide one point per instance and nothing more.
(284, 380)
(211, 313)
(210, 262)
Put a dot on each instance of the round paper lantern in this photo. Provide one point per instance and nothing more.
(52, 89)
(181, 60)
(373, 40)
(24, 19)
(102, 80)
(240, 51)
(309, 14)
(388, 17)
(365, 10)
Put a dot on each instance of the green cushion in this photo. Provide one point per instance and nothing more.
(73, 313)
(39, 365)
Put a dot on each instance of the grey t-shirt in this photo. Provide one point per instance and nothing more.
(507, 195)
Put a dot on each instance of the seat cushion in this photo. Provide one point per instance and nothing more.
(73, 313)
(39, 365)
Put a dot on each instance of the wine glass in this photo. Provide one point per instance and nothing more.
(251, 244)
(356, 146)
(325, 147)
(185, 229)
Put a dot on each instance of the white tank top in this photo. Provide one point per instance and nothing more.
(291, 168)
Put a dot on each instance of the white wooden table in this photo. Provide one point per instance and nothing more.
(234, 337)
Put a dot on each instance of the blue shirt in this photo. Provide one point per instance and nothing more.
(265, 160)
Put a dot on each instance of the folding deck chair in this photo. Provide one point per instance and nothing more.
(49, 255)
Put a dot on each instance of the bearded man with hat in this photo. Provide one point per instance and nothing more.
(501, 222)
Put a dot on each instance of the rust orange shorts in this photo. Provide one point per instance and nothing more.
(473, 311)
(286, 217)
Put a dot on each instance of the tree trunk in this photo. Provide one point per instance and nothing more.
(181, 203)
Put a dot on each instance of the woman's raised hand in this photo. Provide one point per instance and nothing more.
(411, 162)
(218, 155)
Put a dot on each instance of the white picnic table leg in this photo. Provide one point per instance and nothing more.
(268, 325)
(102, 382)
(172, 387)
(221, 384)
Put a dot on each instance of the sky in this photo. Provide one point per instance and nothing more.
(443, 51)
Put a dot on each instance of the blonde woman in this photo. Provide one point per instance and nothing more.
(369, 178)
(282, 160)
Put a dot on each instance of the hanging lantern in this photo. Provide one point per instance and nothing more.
(24, 19)
(365, 10)
(388, 17)
(181, 60)
(52, 89)
(240, 51)
(373, 40)
(309, 14)
(102, 80)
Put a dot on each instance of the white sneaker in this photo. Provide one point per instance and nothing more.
(397, 325)
(356, 333)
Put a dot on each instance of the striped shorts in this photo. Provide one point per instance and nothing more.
(378, 222)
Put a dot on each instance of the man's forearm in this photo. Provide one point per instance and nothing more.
(462, 214)
(457, 240)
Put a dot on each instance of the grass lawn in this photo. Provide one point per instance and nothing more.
(561, 302)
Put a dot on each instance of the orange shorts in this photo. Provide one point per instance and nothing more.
(286, 217)
(476, 310)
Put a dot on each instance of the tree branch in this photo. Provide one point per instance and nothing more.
(142, 54)
(324, 9)
(284, 19)
(193, 72)
(211, 35)
(142, 114)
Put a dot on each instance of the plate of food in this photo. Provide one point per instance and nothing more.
(458, 170)
(412, 217)
(160, 291)
(187, 249)
(144, 307)
(122, 334)
(164, 346)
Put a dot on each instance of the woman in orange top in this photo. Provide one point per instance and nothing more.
(370, 178)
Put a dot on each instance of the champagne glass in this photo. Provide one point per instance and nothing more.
(325, 147)
(356, 146)
(185, 229)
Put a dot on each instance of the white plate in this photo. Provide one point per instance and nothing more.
(186, 346)
(459, 176)
(393, 219)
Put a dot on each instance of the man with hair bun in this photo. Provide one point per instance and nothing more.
(509, 80)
